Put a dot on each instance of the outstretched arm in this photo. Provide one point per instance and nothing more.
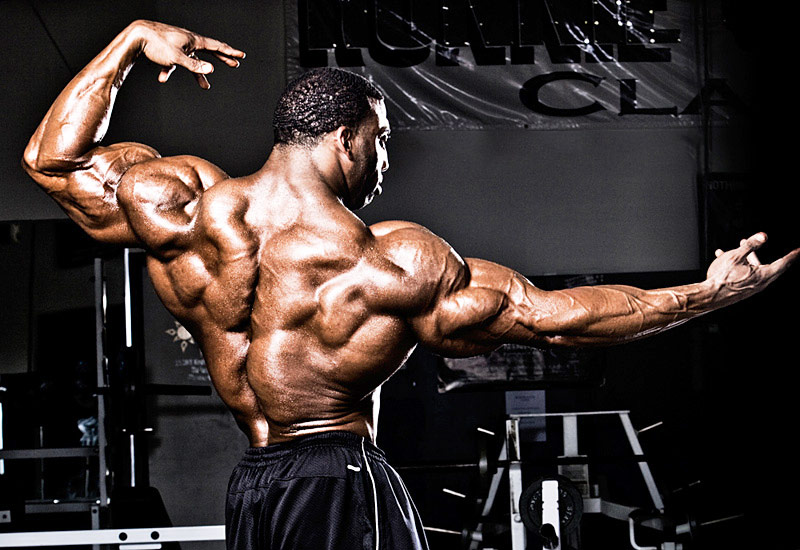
(64, 157)
(486, 305)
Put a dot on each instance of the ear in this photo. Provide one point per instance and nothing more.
(343, 138)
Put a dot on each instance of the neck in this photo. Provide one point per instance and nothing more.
(315, 168)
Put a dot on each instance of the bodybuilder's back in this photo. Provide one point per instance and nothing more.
(292, 299)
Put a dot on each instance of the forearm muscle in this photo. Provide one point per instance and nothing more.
(78, 119)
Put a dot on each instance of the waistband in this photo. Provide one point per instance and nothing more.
(339, 439)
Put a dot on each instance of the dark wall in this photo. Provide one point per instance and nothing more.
(543, 202)
(591, 201)
(49, 42)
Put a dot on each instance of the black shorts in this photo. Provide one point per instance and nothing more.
(331, 491)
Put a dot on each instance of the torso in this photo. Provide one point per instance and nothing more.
(297, 305)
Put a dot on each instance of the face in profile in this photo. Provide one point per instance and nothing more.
(371, 157)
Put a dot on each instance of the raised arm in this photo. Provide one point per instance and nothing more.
(481, 305)
(64, 156)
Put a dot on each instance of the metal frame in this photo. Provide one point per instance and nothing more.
(494, 486)
(570, 431)
(518, 532)
(595, 504)
(100, 303)
(48, 452)
(99, 451)
(511, 452)
(550, 512)
(140, 539)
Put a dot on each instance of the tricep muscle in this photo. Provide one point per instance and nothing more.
(86, 188)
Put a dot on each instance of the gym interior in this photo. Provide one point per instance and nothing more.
(109, 420)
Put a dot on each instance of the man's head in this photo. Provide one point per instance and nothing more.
(347, 108)
(320, 101)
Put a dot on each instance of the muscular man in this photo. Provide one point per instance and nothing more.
(301, 310)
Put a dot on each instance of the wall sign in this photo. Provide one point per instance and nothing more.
(522, 63)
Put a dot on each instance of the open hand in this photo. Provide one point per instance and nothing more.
(738, 273)
(170, 46)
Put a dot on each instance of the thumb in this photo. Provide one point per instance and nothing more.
(165, 73)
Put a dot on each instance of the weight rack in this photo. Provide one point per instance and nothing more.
(510, 454)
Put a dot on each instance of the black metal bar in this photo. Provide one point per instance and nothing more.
(444, 466)
(55, 452)
(177, 389)
(161, 389)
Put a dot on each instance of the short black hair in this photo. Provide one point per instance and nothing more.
(318, 102)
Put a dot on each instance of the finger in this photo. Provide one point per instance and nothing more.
(229, 61)
(752, 259)
(746, 246)
(195, 65)
(782, 264)
(219, 47)
(163, 76)
(756, 241)
(202, 81)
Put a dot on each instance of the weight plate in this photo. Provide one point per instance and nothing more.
(570, 505)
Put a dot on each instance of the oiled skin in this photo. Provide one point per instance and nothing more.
(301, 310)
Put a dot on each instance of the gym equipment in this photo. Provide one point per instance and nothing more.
(509, 458)
(591, 504)
(118, 442)
(135, 539)
(666, 532)
(551, 507)
(664, 527)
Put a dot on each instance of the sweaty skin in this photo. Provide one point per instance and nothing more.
(301, 310)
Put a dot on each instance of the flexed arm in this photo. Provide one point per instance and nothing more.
(64, 157)
(486, 305)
